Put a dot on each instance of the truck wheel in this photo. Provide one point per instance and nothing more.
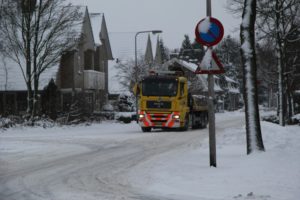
(205, 121)
(186, 124)
(146, 129)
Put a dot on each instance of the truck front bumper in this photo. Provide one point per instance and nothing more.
(159, 120)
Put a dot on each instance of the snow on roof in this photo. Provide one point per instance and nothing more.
(192, 68)
(232, 86)
(230, 80)
(233, 90)
(77, 26)
(96, 21)
(189, 66)
(217, 88)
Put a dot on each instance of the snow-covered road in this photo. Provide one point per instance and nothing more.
(88, 162)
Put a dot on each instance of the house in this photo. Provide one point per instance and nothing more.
(232, 93)
(83, 72)
(227, 93)
(81, 76)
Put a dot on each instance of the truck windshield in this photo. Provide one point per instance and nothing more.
(159, 87)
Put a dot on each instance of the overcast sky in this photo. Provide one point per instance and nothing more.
(174, 17)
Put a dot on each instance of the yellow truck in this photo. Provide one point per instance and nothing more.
(164, 102)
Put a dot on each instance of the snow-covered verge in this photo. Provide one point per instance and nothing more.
(17, 121)
(108, 159)
(270, 175)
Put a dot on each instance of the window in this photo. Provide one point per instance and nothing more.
(159, 87)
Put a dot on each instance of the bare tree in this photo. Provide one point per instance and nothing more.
(247, 35)
(5, 69)
(279, 19)
(36, 34)
(278, 22)
(267, 73)
(127, 72)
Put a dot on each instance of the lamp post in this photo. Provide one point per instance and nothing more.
(136, 64)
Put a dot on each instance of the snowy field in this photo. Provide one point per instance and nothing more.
(114, 161)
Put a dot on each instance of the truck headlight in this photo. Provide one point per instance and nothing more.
(176, 117)
(141, 116)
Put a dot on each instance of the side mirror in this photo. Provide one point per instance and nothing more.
(136, 89)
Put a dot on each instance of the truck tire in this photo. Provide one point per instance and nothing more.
(205, 120)
(186, 124)
(196, 123)
(146, 129)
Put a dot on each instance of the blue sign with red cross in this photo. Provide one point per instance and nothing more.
(209, 31)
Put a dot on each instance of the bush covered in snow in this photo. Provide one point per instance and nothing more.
(108, 107)
(125, 117)
(6, 122)
(296, 119)
(13, 121)
(126, 102)
(275, 119)
(271, 118)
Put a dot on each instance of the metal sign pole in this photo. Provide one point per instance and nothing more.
(211, 108)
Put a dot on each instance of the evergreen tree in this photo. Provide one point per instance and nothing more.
(191, 52)
(228, 52)
(164, 50)
(197, 53)
(186, 49)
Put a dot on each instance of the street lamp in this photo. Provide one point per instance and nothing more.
(136, 64)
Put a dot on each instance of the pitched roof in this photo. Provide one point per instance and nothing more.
(77, 26)
(96, 21)
(100, 32)
(189, 66)
(149, 52)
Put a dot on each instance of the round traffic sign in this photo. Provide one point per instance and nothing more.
(209, 31)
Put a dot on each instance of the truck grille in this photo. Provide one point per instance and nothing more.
(159, 104)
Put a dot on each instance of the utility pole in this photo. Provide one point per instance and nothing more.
(211, 107)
